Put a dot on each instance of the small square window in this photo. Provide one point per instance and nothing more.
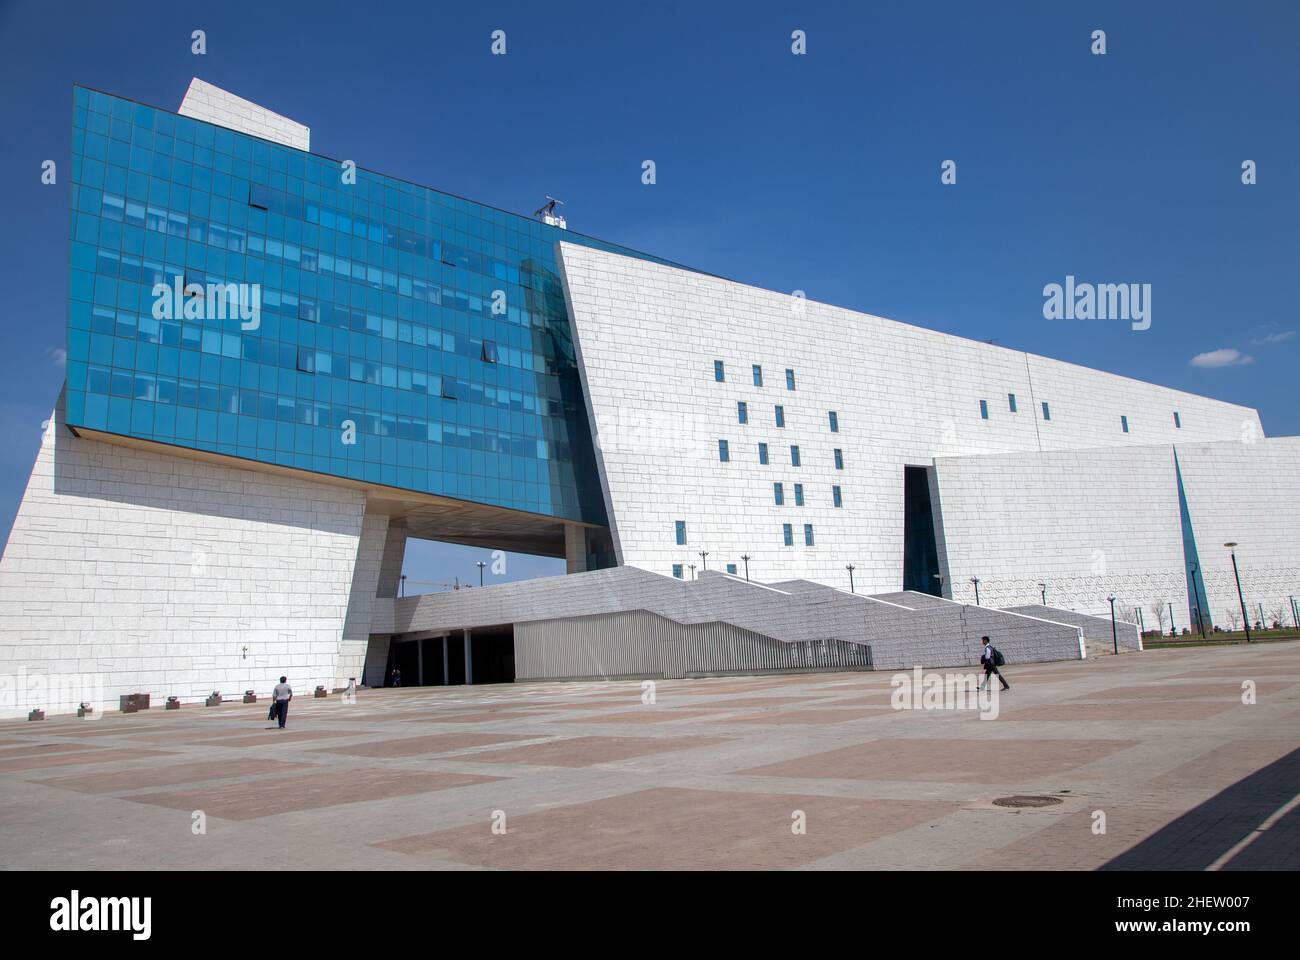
(794, 456)
(724, 454)
(719, 371)
(677, 571)
(788, 532)
(742, 411)
(839, 459)
(789, 379)
(681, 533)
(837, 497)
(835, 421)
(798, 494)
(762, 453)
(780, 416)
(258, 196)
(731, 569)
(1011, 402)
(489, 351)
(758, 375)
(306, 360)
(778, 494)
(451, 388)
(1047, 411)
(984, 409)
(807, 534)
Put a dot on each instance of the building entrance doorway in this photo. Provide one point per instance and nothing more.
(474, 656)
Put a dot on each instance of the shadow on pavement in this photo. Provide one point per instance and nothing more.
(1202, 835)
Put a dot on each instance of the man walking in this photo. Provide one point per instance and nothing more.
(992, 658)
(283, 693)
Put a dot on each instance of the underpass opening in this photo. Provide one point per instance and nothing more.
(492, 654)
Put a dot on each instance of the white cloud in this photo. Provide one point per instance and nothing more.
(57, 355)
(1281, 337)
(1223, 357)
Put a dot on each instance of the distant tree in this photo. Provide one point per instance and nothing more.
(1234, 618)
(1279, 614)
(1157, 607)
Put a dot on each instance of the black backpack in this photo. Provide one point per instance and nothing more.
(998, 659)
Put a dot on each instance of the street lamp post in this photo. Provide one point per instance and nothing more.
(850, 568)
(481, 565)
(1196, 595)
(1042, 589)
(976, 581)
(1240, 597)
(403, 584)
(745, 557)
(704, 556)
(692, 566)
(1114, 635)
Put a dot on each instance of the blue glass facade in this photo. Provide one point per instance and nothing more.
(376, 309)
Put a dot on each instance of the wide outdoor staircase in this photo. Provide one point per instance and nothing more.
(901, 629)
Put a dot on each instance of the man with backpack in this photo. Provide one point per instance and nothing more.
(992, 658)
(281, 696)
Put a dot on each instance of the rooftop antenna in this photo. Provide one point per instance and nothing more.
(548, 214)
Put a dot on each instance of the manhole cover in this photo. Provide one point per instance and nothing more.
(1022, 801)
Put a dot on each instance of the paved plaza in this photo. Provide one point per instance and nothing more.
(814, 771)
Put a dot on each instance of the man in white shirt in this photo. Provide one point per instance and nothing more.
(283, 693)
(988, 657)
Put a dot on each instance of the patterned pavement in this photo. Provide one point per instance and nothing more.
(801, 772)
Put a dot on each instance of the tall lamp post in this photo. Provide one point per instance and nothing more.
(1245, 617)
(1042, 589)
(704, 557)
(976, 581)
(1196, 604)
(403, 584)
(746, 558)
(481, 565)
(692, 566)
(850, 568)
(1114, 636)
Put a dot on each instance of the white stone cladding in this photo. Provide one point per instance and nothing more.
(1091, 523)
(366, 572)
(204, 101)
(647, 336)
(137, 571)
(1247, 493)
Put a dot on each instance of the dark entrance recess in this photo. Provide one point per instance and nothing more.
(439, 661)
(920, 554)
(493, 654)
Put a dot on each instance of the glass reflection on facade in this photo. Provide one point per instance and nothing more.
(403, 336)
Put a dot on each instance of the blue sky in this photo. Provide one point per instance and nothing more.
(817, 172)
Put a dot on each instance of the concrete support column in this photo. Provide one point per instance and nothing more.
(446, 661)
(419, 670)
(575, 548)
(390, 562)
(469, 659)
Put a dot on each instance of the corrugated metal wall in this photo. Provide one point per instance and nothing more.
(637, 643)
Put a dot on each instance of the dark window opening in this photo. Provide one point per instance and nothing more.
(920, 552)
